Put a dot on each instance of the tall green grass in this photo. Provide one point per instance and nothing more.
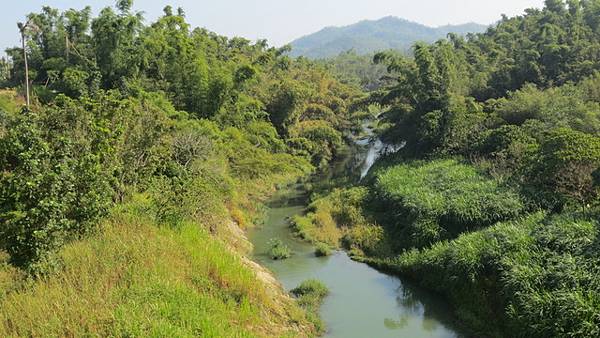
(535, 277)
(311, 294)
(135, 278)
(432, 201)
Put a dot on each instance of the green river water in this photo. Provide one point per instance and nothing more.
(363, 302)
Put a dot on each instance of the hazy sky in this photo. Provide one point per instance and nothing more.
(281, 21)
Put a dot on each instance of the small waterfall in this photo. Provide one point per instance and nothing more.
(375, 148)
(374, 152)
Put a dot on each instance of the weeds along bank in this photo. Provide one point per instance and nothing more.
(493, 202)
(136, 277)
(147, 150)
(534, 272)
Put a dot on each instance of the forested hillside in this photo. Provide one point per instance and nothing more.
(370, 36)
(494, 199)
(147, 148)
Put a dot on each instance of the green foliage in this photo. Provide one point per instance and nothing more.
(54, 184)
(330, 216)
(310, 295)
(367, 239)
(568, 159)
(322, 250)
(519, 102)
(108, 124)
(209, 76)
(538, 273)
(8, 102)
(440, 199)
(566, 106)
(179, 131)
(515, 59)
(278, 250)
(311, 290)
(359, 70)
(324, 139)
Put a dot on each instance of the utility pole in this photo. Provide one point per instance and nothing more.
(23, 29)
(67, 46)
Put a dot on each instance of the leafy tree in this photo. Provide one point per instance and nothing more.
(568, 161)
(115, 44)
(53, 184)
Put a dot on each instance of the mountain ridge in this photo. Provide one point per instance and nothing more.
(367, 36)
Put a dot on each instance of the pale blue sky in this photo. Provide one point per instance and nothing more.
(281, 21)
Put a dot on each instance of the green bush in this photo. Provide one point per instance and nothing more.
(310, 293)
(54, 182)
(329, 216)
(278, 250)
(322, 250)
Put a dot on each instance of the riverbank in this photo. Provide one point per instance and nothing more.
(363, 301)
(139, 278)
(464, 235)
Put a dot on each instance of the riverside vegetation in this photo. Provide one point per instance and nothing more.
(146, 150)
(494, 200)
(125, 185)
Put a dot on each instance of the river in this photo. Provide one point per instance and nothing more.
(363, 302)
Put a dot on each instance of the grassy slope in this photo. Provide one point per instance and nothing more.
(431, 201)
(135, 278)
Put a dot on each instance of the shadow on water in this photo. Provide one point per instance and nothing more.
(299, 199)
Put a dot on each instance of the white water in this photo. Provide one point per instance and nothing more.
(377, 148)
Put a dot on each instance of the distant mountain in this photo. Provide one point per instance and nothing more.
(369, 36)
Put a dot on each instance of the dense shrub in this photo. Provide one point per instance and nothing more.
(539, 274)
(329, 216)
(54, 183)
(322, 250)
(431, 201)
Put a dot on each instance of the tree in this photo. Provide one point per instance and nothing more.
(567, 164)
(115, 44)
(55, 179)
